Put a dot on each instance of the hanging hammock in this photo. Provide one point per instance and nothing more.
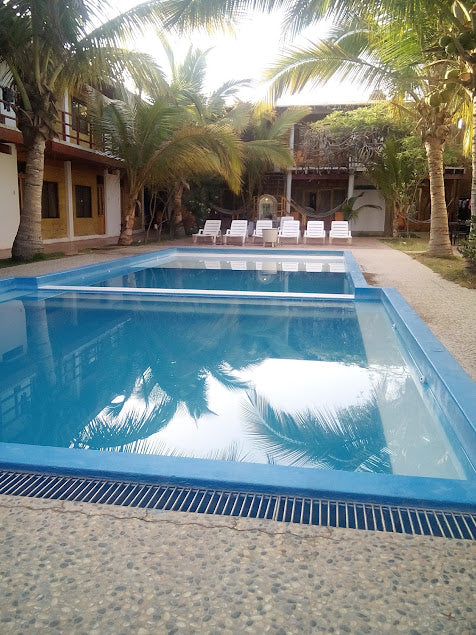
(309, 211)
(243, 211)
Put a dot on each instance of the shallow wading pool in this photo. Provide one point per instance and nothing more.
(248, 369)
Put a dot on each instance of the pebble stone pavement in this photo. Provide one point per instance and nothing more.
(70, 567)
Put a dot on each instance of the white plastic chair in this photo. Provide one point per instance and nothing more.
(284, 219)
(260, 225)
(238, 265)
(337, 267)
(212, 264)
(212, 229)
(289, 229)
(315, 229)
(238, 229)
(340, 229)
(313, 266)
(289, 266)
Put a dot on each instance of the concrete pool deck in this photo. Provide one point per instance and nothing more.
(84, 568)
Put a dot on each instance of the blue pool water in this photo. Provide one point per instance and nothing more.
(319, 385)
(327, 282)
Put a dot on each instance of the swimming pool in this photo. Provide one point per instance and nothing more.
(302, 390)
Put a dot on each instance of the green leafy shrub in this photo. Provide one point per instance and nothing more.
(468, 247)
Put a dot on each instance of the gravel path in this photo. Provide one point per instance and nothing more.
(94, 569)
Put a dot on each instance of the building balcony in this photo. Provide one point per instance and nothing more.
(74, 137)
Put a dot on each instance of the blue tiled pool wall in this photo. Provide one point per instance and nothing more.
(439, 370)
(453, 390)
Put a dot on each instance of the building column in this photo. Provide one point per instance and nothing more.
(68, 188)
(112, 202)
(289, 175)
(350, 184)
(66, 119)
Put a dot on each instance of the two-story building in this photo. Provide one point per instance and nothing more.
(82, 191)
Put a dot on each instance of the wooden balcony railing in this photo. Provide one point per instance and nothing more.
(66, 129)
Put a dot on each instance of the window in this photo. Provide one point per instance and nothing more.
(80, 116)
(83, 201)
(49, 200)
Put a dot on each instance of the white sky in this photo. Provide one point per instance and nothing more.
(245, 55)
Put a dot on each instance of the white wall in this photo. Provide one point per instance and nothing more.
(112, 196)
(9, 201)
(369, 219)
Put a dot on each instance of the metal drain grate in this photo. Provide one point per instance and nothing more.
(283, 508)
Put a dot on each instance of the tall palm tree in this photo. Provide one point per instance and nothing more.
(187, 90)
(160, 141)
(457, 45)
(47, 48)
(394, 57)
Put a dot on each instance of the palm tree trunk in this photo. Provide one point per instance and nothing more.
(473, 161)
(127, 225)
(178, 229)
(396, 216)
(28, 240)
(39, 343)
(439, 244)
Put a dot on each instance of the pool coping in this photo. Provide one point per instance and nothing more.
(435, 363)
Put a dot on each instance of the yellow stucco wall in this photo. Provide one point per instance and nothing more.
(81, 175)
(87, 226)
(55, 227)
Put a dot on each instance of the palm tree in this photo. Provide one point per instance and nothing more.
(187, 91)
(383, 54)
(265, 133)
(457, 46)
(160, 144)
(386, 143)
(393, 49)
(48, 48)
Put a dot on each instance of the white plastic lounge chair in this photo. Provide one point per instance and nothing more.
(340, 229)
(289, 229)
(260, 225)
(286, 265)
(238, 229)
(238, 265)
(212, 264)
(337, 267)
(212, 229)
(315, 229)
(284, 219)
(313, 267)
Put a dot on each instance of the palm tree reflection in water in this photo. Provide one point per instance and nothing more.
(347, 439)
(181, 363)
(142, 365)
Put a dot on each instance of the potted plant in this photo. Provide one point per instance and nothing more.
(347, 210)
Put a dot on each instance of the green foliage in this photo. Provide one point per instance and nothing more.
(381, 118)
(160, 142)
(468, 247)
